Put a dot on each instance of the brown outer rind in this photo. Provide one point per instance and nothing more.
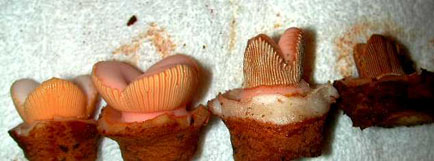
(387, 102)
(162, 138)
(58, 140)
(253, 140)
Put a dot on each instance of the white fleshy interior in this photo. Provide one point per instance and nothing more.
(277, 108)
(44, 39)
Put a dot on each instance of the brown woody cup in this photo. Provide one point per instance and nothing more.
(275, 127)
(253, 140)
(401, 100)
(165, 137)
(58, 140)
(387, 93)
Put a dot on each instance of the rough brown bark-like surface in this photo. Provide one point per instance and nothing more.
(58, 140)
(387, 102)
(162, 138)
(253, 140)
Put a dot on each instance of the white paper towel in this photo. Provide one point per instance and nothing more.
(44, 39)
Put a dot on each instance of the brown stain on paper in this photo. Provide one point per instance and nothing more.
(233, 26)
(159, 38)
(232, 35)
(360, 33)
(277, 25)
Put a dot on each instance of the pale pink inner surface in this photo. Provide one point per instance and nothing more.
(22, 88)
(118, 75)
(299, 88)
(288, 43)
(275, 108)
(85, 84)
(19, 91)
(140, 117)
(169, 62)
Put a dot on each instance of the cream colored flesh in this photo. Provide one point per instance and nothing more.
(275, 108)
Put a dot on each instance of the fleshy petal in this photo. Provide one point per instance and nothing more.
(19, 91)
(55, 98)
(86, 85)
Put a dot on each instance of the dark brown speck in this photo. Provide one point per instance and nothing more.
(132, 20)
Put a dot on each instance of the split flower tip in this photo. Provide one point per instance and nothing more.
(54, 98)
(165, 86)
(268, 63)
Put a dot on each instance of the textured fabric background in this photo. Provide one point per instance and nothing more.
(44, 39)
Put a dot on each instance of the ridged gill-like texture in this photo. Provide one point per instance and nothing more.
(266, 64)
(111, 95)
(55, 98)
(166, 86)
(377, 57)
(163, 91)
